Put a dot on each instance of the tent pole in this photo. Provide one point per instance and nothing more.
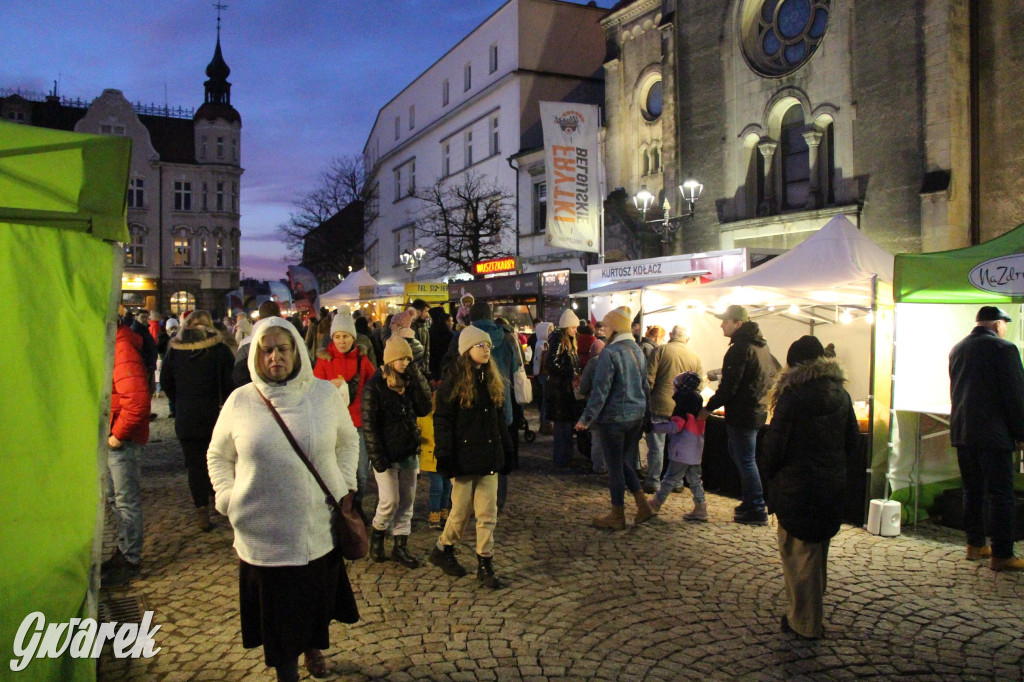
(871, 396)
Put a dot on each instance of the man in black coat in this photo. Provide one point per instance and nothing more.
(747, 372)
(986, 386)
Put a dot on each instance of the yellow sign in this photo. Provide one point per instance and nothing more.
(496, 265)
(136, 283)
(428, 291)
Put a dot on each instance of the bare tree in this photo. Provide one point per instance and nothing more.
(465, 222)
(339, 184)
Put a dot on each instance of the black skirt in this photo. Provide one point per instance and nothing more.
(287, 609)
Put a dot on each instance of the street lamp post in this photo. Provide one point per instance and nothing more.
(667, 225)
(412, 261)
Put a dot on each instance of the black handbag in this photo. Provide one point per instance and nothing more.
(648, 422)
(347, 527)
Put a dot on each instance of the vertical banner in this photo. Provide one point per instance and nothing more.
(571, 151)
(303, 285)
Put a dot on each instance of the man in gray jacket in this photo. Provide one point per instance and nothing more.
(666, 363)
(986, 386)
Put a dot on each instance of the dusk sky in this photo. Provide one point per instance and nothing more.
(307, 77)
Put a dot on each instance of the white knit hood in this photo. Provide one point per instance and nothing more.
(293, 388)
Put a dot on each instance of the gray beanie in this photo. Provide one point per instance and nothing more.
(343, 322)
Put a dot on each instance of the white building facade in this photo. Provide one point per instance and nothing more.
(476, 110)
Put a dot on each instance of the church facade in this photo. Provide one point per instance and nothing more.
(895, 114)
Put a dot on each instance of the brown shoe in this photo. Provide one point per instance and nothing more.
(977, 553)
(616, 520)
(203, 519)
(315, 662)
(643, 509)
(1009, 563)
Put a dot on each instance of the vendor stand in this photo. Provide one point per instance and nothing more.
(834, 285)
(347, 292)
(937, 296)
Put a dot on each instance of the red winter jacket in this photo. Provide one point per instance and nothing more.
(344, 365)
(130, 401)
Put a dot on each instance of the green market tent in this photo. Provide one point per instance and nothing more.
(62, 210)
(937, 296)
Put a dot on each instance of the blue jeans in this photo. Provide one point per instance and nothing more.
(620, 444)
(562, 443)
(655, 453)
(124, 493)
(742, 449)
(988, 473)
(542, 381)
(363, 467)
(597, 457)
(674, 476)
(440, 491)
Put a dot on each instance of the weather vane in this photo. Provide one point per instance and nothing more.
(219, 6)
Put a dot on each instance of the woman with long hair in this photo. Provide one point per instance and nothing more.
(196, 376)
(472, 444)
(563, 369)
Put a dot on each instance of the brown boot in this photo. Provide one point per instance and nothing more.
(643, 509)
(1006, 564)
(976, 553)
(614, 521)
(203, 518)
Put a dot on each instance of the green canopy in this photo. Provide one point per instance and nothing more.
(62, 208)
(992, 272)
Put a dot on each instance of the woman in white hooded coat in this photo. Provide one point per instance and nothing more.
(292, 581)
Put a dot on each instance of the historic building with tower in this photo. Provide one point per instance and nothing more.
(183, 190)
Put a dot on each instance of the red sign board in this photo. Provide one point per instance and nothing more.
(494, 266)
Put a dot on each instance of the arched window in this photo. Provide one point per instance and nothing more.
(182, 301)
(645, 161)
(754, 182)
(655, 160)
(794, 160)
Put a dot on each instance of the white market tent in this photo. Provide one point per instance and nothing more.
(348, 290)
(836, 284)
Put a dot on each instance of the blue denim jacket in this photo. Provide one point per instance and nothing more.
(617, 394)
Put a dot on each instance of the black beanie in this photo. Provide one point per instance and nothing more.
(804, 349)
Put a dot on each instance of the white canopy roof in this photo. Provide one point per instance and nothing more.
(834, 266)
(637, 284)
(348, 290)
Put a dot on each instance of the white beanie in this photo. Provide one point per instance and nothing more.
(343, 322)
(171, 324)
(470, 336)
(568, 319)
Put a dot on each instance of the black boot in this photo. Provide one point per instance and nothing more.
(400, 552)
(446, 560)
(377, 545)
(485, 572)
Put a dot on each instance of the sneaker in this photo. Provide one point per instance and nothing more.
(434, 520)
(121, 574)
(752, 518)
(655, 504)
(446, 561)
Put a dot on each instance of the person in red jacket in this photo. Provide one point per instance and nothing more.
(129, 432)
(343, 364)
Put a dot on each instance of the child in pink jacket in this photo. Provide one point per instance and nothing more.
(685, 446)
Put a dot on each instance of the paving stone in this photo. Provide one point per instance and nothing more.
(667, 601)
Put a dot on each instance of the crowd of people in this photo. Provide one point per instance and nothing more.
(271, 414)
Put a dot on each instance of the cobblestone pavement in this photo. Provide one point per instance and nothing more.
(670, 600)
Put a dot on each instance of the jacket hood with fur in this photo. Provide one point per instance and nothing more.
(197, 337)
(791, 377)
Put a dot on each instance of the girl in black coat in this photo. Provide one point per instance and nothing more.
(472, 444)
(813, 433)
(392, 399)
(562, 363)
(196, 376)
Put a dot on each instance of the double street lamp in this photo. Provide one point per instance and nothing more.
(666, 225)
(412, 261)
